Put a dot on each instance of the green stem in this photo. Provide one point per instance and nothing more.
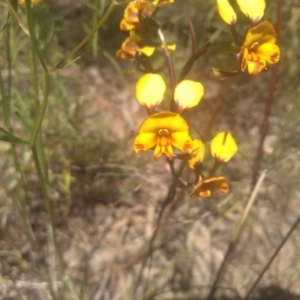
(36, 142)
(35, 51)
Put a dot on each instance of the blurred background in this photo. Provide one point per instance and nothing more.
(105, 199)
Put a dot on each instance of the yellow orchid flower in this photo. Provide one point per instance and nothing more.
(130, 49)
(205, 186)
(226, 12)
(150, 90)
(223, 146)
(130, 19)
(188, 94)
(199, 149)
(253, 9)
(163, 131)
(259, 48)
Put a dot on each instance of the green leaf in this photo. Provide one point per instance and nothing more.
(8, 137)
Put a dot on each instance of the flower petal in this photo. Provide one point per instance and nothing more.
(150, 90)
(253, 9)
(144, 141)
(223, 146)
(188, 94)
(182, 141)
(269, 52)
(199, 149)
(164, 120)
(148, 51)
(131, 13)
(255, 67)
(226, 12)
(167, 150)
(126, 26)
(260, 34)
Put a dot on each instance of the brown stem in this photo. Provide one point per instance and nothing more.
(235, 37)
(193, 37)
(270, 101)
(160, 225)
(188, 65)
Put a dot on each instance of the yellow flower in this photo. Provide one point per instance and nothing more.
(188, 94)
(253, 9)
(130, 19)
(199, 150)
(223, 147)
(131, 49)
(163, 131)
(33, 2)
(259, 48)
(226, 12)
(150, 91)
(205, 186)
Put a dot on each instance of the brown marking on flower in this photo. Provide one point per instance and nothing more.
(188, 147)
(275, 58)
(139, 147)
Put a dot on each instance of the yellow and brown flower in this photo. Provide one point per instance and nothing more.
(130, 49)
(163, 131)
(205, 186)
(259, 48)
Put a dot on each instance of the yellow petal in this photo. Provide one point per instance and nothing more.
(244, 59)
(144, 141)
(150, 90)
(148, 51)
(164, 120)
(171, 47)
(126, 26)
(129, 46)
(122, 55)
(226, 12)
(223, 146)
(131, 13)
(141, 4)
(182, 141)
(221, 185)
(255, 67)
(199, 149)
(253, 9)
(268, 52)
(258, 35)
(188, 94)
